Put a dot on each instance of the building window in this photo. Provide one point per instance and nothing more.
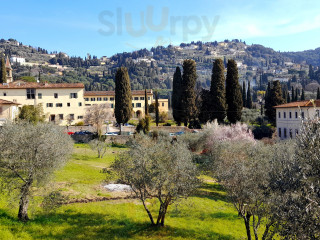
(296, 114)
(148, 98)
(93, 99)
(111, 105)
(73, 95)
(80, 104)
(302, 115)
(39, 95)
(60, 116)
(136, 98)
(285, 133)
(290, 133)
(105, 99)
(31, 93)
(49, 104)
(99, 99)
(279, 132)
(290, 115)
(55, 95)
(141, 98)
(80, 117)
(284, 114)
(132, 104)
(4, 94)
(58, 104)
(87, 105)
(71, 116)
(317, 112)
(86, 99)
(162, 104)
(68, 104)
(111, 99)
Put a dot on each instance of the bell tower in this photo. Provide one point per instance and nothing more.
(9, 71)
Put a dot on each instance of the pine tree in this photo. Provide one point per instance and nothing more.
(217, 92)
(318, 93)
(189, 78)
(274, 98)
(123, 97)
(146, 103)
(302, 95)
(3, 73)
(244, 94)
(157, 108)
(177, 96)
(249, 97)
(233, 93)
(293, 98)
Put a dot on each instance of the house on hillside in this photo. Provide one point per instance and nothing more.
(290, 116)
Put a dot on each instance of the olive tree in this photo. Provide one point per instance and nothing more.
(157, 168)
(29, 154)
(100, 146)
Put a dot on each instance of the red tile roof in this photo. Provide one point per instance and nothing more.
(305, 103)
(23, 85)
(8, 102)
(111, 93)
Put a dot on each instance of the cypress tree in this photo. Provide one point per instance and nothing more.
(244, 94)
(249, 98)
(157, 108)
(275, 98)
(176, 96)
(318, 93)
(302, 95)
(217, 92)
(146, 103)
(292, 95)
(267, 101)
(189, 78)
(288, 97)
(296, 95)
(233, 93)
(284, 95)
(3, 73)
(123, 97)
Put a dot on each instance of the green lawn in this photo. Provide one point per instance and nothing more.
(206, 215)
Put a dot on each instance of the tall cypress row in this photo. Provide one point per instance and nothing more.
(318, 93)
(249, 97)
(123, 96)
(292, 94)
(189, 78)
(176, 96)
(217, 92)
(146, 112)
(302, 95)
(157, 108)
(3, 73)
(296, 95)
(275, 98)
(233, 93)
(244, 94)
(288, 97)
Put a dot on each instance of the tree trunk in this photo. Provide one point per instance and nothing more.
(24, 202)
(247, 223)
(149, 213)
(255, 228)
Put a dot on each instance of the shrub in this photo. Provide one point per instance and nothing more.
(81, 123)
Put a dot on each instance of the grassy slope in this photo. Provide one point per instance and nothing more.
(206, 215)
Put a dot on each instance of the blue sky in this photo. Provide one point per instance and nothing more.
(105, 27)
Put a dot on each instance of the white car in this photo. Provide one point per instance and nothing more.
(111, 134)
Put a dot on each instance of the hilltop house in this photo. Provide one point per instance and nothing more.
(290, 115)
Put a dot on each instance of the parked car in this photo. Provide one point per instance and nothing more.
(172, 134)
(111, 134)
(70, 133)
(83, 133)
(179, 133)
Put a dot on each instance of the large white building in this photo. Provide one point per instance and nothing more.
(290, 116)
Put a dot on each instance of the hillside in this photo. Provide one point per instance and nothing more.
(154, 68)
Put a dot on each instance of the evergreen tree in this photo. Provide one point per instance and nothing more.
(217, 106)
(123, 97)
(296, 95)
(275, 98)
(233, 93)
(3, 73)
(244, 94)
(311, 72)
(146, 103)
(267, 99)
(189, 78)
(302, 95)
(318, 93)
(157, 108)
(293, 98)
(284, 95)
(288, 97)
(249, 97)
(177, 96)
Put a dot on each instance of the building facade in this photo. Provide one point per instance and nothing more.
(8, 111)
(290, 116)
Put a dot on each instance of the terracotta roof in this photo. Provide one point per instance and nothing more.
(23, 85)
(306, 103)
(111, 93)
(8, 63)
(8, 102)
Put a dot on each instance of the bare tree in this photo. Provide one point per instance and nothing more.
(29, 154)
(97, 115)
(158, 169)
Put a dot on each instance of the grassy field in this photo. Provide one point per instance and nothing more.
(206, 215)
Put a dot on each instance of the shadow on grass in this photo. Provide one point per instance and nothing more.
(212, 192)
(74, 225)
